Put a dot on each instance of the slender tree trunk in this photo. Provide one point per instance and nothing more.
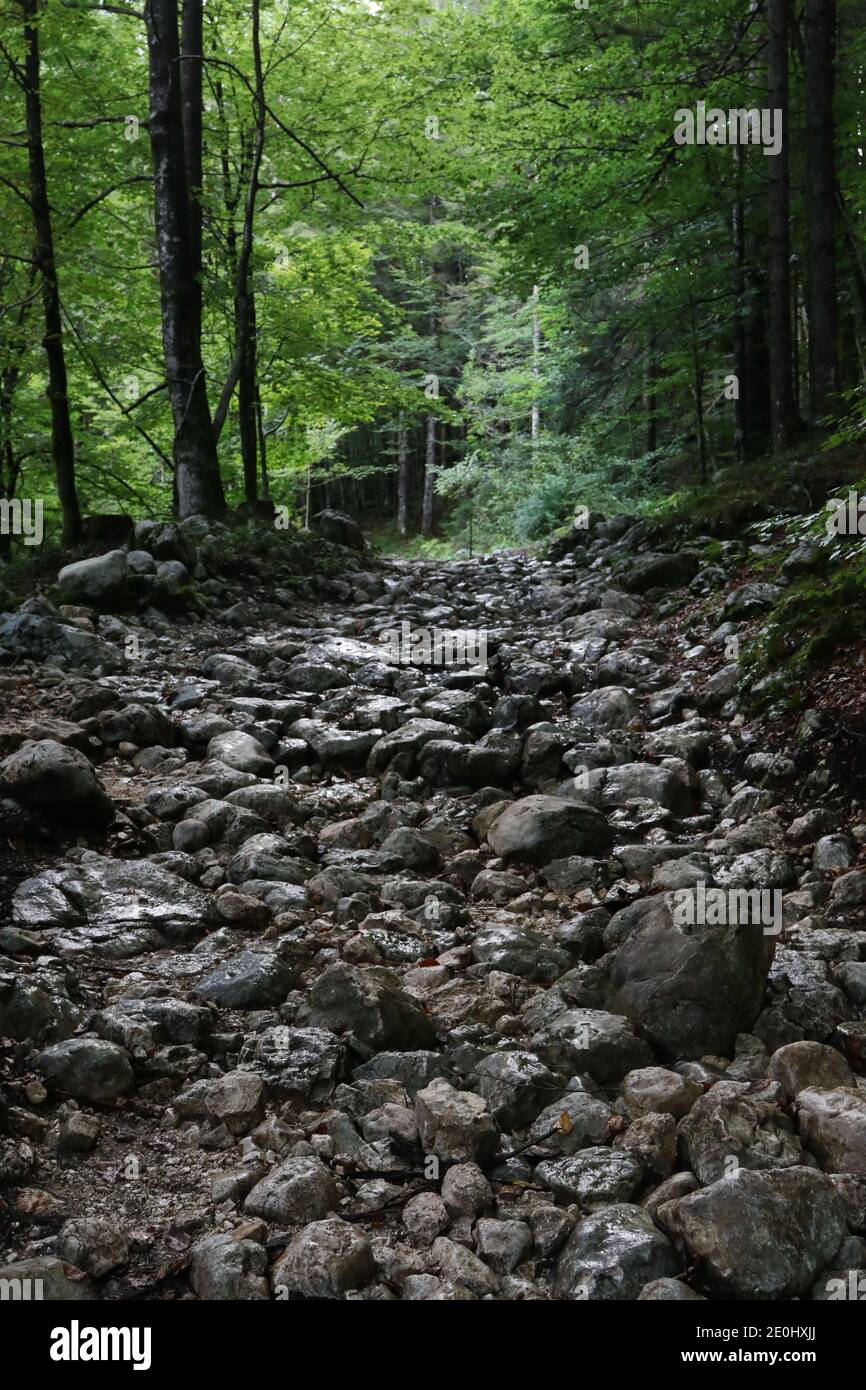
(698, 393)
(535, 424)
(263, 444)
(650, 396)
(403, 479)
(243, 371)
(822, 302)
(191, 71)
(62, 442)
(781, 384)
(429, 478)
(10, 376)
(247, 403)
(198, 487)
(738, 234)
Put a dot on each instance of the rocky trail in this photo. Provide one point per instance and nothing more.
(326, 975)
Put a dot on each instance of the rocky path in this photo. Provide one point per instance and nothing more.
(327, 975)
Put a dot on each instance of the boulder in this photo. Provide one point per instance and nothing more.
(542, 828)
(368, 1002)
(760, 1235)
(690, 990)
(57, 783)
(99, 581)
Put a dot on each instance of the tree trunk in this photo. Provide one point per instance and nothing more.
(403, 479)
(738, 234)
(247, 400)
(429, 478)
(650, 397)
(198, 487)
(191, 30)
(781, 385)
(698, 393)
(263, 444)
(822, 302)
(535, 424)
(243, 370)
(62, 443)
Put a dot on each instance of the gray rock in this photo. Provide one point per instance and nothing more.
(38, 638)
(236, 1100)
(542, 828)
(658, 570)
(88, 1069)
(516, 1086)
(612, 1255)
(653, 1090)
(56, 782)
(241, 751)
(455, 1125)
(724, 1132)
(325, 1260)
(802, 1065)
(102, 898)
(93, 1244)
(668, 1291)
(760, 1235)
(46, 1278)
(250, 980)
(305, 1062)
(35, 1004)
(339, 528)
(751, 600)
(518, 951)
(588, 1123)
(601, 1044)
(832, 852)
(594, 1177)
(461, 1266)
(299, 1190)
(690, 990)
(466, 1191)
(849, 890)
(100, 580)
(369, 1003)
(502, 1244)
(833, 1125)
(225, 1268)
(425, 1217)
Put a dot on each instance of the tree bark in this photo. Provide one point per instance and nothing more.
(535, 423)
(698, 393)
(427, 505)
(740, 336)
(822, 301)
(403, 479)
(243, 369)
(781, 384)
(191, 67)
(62, 441)
(245, 328)
(198, 486)
(650, 396)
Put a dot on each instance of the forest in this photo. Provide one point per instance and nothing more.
(432, 653)
(434, 263)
